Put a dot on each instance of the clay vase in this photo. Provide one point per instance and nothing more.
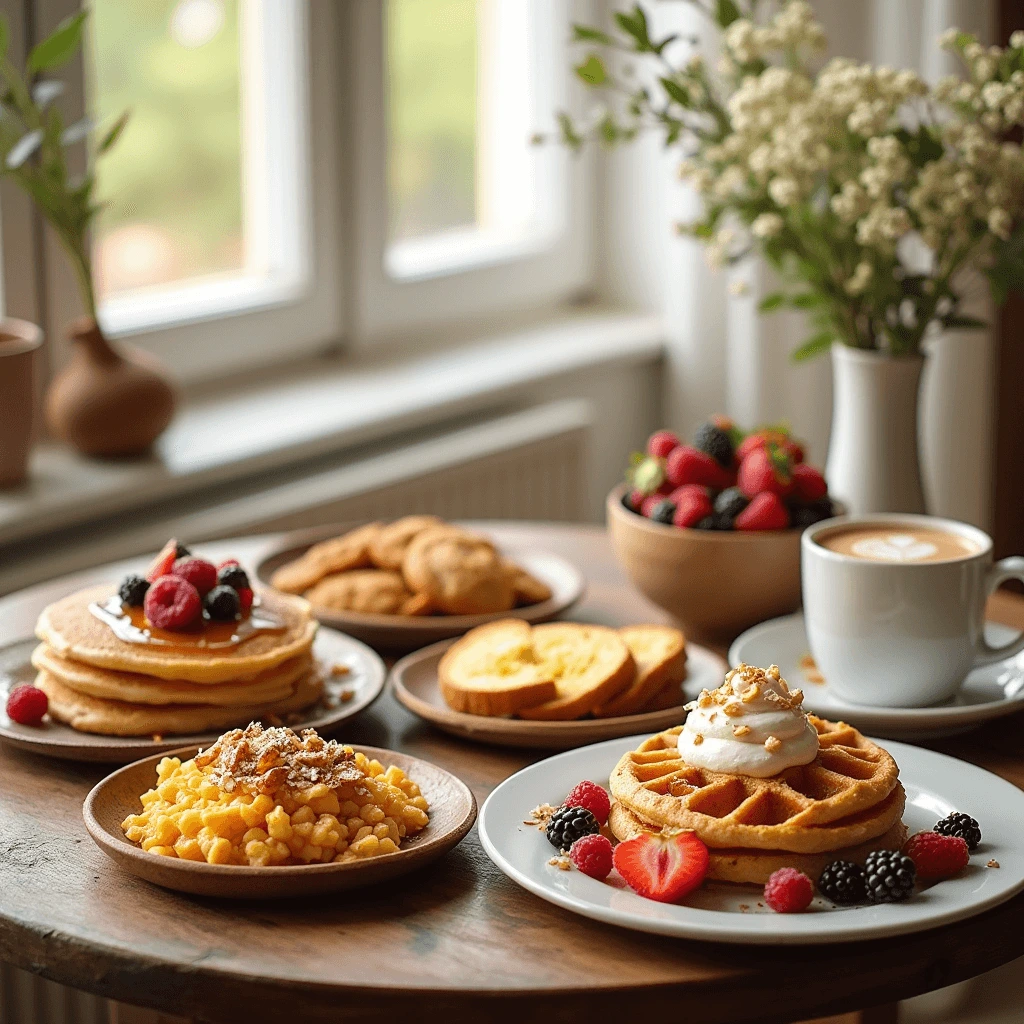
(108, 402)
(19, 342)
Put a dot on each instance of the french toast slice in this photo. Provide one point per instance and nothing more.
(660, 656)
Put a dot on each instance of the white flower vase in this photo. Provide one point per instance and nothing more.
(873, 463)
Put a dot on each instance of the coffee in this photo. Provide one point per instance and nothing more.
(895, 542)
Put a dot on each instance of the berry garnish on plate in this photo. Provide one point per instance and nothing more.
(233, 575)
(245, 596)
(199, 572)
(962, 825)
(27, 704)
(889, 876)
(843, 882)
(568, 824)
(788, 891)
(937, 856)
(662, 868)
(172, 603)
(133, 590)
(223, 604)
(164, 561)
(591, 796)
(592, 855)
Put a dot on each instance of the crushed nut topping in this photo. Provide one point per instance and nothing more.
(339, 668)
(733, 709)
(562, 863)
(772, 744)
(541, 815)
(698, 740)
(751, 693)
(267, 760)
(993, 863)
(741, 730)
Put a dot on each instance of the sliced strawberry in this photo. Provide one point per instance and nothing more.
(164, 561)
(808, 483)
(662, 868)
(765, 512)
(226, 562)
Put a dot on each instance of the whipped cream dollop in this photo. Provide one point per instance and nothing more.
(753, 724)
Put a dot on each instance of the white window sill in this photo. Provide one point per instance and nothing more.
(322, 408)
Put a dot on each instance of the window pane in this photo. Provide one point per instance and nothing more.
(174, 180)
(432, 121)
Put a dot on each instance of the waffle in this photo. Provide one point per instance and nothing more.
(757, 866)
(849, 794)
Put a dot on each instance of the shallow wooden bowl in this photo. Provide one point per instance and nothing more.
(415, 685)
(400, 633)
(452, 813)
(716, 583)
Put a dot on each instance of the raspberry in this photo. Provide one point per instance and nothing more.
(661, 443)
(788, 891)
(593, 856)
(244, 600)
(593, 797)
(27, 704)
(172, 603)
(199, 572)
(937, 856)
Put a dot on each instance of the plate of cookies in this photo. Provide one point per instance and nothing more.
(554, 685)
(418, 580)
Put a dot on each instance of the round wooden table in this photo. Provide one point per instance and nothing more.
(457, 940)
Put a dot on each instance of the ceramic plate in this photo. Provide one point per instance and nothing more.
(414, 681)
(408, 632)
(344, 696)
(988, 692)
(720, 912)
(452, 813)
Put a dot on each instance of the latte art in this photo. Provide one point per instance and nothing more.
(897, 543)
(897, 547)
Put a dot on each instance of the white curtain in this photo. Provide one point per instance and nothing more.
(723, 355)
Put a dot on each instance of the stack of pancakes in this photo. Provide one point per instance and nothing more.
(99, 683)
(843, 805)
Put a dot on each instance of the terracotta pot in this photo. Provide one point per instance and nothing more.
(106, 401)
(19, 342)
(716, 584)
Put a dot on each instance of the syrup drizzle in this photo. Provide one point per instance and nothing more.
(131, 626)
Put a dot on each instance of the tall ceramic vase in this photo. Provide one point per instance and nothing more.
(873, 463)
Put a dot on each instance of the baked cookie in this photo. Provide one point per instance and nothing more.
(339, 554)
(377, 591)
(388, 547)
(527, 589)
(461, 574)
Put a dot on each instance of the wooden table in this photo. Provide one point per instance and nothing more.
(457, 940)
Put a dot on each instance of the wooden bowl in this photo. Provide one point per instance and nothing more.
(452, 813)
(716, 583)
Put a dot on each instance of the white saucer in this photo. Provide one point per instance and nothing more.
(988, 692)
(719, 912)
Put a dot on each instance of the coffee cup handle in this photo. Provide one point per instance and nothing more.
(1011, 568)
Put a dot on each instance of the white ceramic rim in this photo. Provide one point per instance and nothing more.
(979, 537)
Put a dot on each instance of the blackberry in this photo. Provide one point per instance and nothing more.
(714, 441)
(889, 876)
(223, 604)
(962, 825)
(731, 502)
(843, 882)
(568, 824)
(663, 512)
(133, 590)
(180, 551)
(233, 576)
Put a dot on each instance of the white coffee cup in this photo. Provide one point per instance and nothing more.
(900, 634)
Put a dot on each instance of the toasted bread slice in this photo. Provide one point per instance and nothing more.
(494, 670)
(660, 656)
(670, 696)
(590, 666)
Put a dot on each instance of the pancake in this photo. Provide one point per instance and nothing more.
(118, 718)
(74, 632)
(108, 684)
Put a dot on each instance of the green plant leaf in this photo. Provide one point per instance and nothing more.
(592, 70)
(60, 46)
(584, 34)
(726, 12)
(114, 134)
(635, 24)
(806, 300)
(772, 302)
(814, 346)
(675, 91)
(570, 137)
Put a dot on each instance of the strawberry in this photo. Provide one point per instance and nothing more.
(693, 503)
(687, 465)
(749, 444)
(937, 856)
(245, 596)
(765, 512)
(765, 469)
(662, 868)
(808, 483)
(794, 449)
(635, 499)
(164, 561)
(661, 443)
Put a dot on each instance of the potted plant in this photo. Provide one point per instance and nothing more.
(105, 401)
(873, 195)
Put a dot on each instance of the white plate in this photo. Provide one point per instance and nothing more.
(719, 912)
(988, 692)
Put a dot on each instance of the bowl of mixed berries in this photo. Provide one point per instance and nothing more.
(710, 530)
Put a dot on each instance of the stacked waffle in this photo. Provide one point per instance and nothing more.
(100, 683)
(843, 804)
